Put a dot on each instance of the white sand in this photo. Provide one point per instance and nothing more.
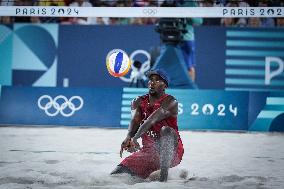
(83, 158)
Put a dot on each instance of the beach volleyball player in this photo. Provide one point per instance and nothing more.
(154, 119)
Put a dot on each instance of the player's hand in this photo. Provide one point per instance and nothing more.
(132, 149)
(124, 145)
(134, 144)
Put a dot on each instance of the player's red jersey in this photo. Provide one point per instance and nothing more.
(146, 161)
(154, 132)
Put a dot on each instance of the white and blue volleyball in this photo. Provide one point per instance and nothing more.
(118, 63)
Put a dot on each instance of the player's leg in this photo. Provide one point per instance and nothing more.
(191, 59)
(185, 49)
(188, 50)
(192, 73)
(122, 169)
(140, 164)
(168, 147)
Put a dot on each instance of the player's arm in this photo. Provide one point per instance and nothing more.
(133, 125)
(169, 107)
(135, 117)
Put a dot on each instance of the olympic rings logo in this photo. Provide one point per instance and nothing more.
(150, 12)
(58, 106)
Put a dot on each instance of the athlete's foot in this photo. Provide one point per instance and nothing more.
(164, 175)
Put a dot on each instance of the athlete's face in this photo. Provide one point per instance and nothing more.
(156, 85)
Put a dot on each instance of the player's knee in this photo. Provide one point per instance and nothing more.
(117, 170)
(121, 169)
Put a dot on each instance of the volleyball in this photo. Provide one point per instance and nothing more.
(118, 63)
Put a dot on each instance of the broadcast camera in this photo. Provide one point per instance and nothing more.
(171, 30)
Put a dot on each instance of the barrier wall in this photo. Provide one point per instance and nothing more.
(240, 58)
(110, 107)
(37, 61)
(60, 106)
(201, 109)
(51, 55)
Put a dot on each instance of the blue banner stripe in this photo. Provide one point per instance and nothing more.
(178, 91)
(254, 53)
(244, 88)
(275, 100)
(275, 107)
(244, 72)
(251, 72)
(135, 90)
(130, 96)
(124, 123)
(125, 116)
(125, 109)
(126, 103)
(252, 82)
(277, 94)
(258, 34)
(244, 43)
(269, 114)
(240, 62)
